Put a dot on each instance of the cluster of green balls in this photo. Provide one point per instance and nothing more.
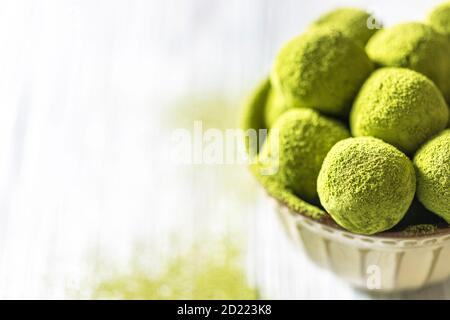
(359, 114)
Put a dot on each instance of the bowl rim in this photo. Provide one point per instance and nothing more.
(327, 221)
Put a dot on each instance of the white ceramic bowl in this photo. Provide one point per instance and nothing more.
(388, 262)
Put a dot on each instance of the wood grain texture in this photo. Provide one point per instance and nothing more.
(89, 94)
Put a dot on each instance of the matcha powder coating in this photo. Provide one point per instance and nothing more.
(275, 107)
(399, 106)
(414, 46)
(304, 138)
(432, 163)
(391, 87)
(439, 19)
(351, 22)
(366, 185)
(321, 69)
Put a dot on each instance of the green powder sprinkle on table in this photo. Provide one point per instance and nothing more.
(195, 274)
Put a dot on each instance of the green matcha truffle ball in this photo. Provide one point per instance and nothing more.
(366, 185)
(399, 106)
(321, 69)
(297, 144)
(439, 19)
(275, 107)
(356, 24)
(432, 163)
(252, 116)
(414, 46)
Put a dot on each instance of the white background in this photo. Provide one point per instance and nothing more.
(89, 93)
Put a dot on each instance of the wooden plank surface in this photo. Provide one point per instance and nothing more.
(90, 92)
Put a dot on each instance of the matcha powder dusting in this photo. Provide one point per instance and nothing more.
(196, 274)
(439, 19)
(352, 22)
(415, 46)
(391, 86)
(322, 69)
(419, 230)
(432, 163)
(399, 106)
(297, 145)
(366, 185)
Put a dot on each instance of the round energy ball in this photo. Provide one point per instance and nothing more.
(414, 46)
(366, 185)
(275, 106)
(297, 144)
(399, 106)
(321, 69)
(432, 163)
(355, 23)
(439, 19)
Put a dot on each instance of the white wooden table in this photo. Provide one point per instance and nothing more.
(89, 93)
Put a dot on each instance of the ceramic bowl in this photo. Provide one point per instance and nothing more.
(387, 262)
